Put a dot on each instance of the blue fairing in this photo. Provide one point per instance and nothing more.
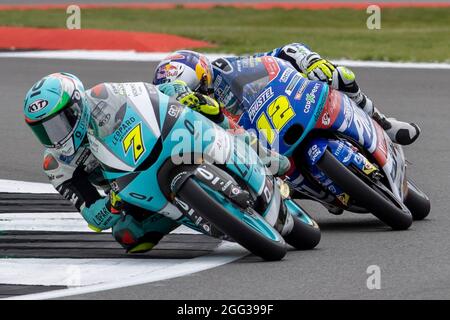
(271, 93)
(275, 101)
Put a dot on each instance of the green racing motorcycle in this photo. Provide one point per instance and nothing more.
(164, 157)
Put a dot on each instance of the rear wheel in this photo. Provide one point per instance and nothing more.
(417, 202)
(376, 198)
(243, 231)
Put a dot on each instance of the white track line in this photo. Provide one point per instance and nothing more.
(106, 55)
(91, 275)
(227, 252)
(54, 222)
(13, 186)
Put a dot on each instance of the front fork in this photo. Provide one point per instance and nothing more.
(347, 154)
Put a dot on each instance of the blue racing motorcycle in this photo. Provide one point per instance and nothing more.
(166, 158)
(342, 157)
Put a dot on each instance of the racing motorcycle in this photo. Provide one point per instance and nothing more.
(166, 158)
(342, 157)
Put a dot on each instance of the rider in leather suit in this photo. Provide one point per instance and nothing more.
(200, 75)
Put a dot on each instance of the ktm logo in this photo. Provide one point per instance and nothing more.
(37, 106)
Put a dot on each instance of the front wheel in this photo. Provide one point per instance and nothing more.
(252, 232)
(417, 202)
(372, 197)
(305, 233)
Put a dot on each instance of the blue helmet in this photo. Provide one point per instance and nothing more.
(56, 109)
(189, 66)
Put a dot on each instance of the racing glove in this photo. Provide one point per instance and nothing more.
(200, 103)
(194, 100)
(317, 69)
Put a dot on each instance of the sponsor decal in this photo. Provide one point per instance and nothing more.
(175, 57)
(123, 129)
(191, 214)
(271, 66)
(339, 148)
(38, 105)
(343, 197)
(259, 102)
(217, 82)
(358, 159)
(285, 76)
(332, 188)
(102, 217)
(83, 157)
(175, 180)
(174, 111)
(314, 152)
(381, 153)
(348, 113)
(368, 167)
(104, 120)
(134, 139)
(311, 98)
(294, 81)
(239, 65)
(52, 177)
(300, 91)
(326, 119)
(248, 62)
(99, 114)
(169, 71)
(223, 65)
(227, 100)
(347, 157)
(76, 95)
(136, 90)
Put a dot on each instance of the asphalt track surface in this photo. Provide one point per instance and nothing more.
(414, 264)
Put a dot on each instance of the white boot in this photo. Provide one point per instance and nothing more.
(400, 132)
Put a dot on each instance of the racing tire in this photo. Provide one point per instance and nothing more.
(303, 236)
(367, 195)
(417, 202)
(210, 209)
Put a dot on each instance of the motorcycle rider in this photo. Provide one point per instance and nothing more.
(196, 71)
(57, 109)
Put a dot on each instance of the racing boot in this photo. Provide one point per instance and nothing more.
(140, 233)
(398, 131)
(129, 233)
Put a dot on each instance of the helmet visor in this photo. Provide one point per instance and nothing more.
(56, 130)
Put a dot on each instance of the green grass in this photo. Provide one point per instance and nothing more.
(412, 34)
